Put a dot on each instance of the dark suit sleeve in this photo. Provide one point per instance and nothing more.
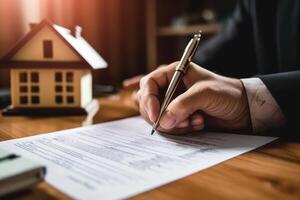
(227, 52)
(285, 88)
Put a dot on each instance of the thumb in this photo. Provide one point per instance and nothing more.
(181, 108)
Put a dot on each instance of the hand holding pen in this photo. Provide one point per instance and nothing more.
(209, 100)
(181, 69)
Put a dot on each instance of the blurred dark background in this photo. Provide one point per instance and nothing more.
(133, 36)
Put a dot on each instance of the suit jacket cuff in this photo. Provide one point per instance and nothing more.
(264, 110)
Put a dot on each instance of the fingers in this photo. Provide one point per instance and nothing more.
(133, 82)
(197, 120)
(180, 112)
(150, 87)
(148, 99)
(194, 120)
(160, 76)
(182, 130)
(182, 108)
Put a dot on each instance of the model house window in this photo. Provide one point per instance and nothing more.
(35, 99)
(69, 76)
(35, 89)
(70, 99)
(64, 87)
(29, 88)
(69, 88)
(23, 77)
(23, 100)
(70, 95)
(58, 88)
(58, 76)
(48, 48)
(59, 99)
(23, 89)
(34, 77)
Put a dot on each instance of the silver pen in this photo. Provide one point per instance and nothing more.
(181, 69)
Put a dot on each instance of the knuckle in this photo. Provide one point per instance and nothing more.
(181, 108)
(142, 99)
(161, 66)
(138, 95)
(210, 90)
(143, 80)
(146, 81)
(145, 95)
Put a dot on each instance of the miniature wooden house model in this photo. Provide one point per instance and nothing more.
(50, 71)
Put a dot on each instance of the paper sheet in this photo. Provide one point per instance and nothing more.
(120, 159)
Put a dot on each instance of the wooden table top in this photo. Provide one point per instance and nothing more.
(269, 172)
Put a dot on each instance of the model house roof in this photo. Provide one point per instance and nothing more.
(87, 54)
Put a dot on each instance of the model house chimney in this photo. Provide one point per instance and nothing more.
(77, 31)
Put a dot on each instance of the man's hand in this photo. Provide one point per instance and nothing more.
(208, 99)
(133, 82)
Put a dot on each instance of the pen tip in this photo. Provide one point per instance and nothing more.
(152, 131)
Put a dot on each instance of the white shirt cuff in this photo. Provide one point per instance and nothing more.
(264, 111)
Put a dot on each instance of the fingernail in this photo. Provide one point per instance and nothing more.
(149, 110)
(150, 114)
(168, 120)
(151, 117)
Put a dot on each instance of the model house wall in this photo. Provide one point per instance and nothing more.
(85, 88)
(35, 48)
(51, 88)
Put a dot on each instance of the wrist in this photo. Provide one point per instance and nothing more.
(245, 119)
(242, 115)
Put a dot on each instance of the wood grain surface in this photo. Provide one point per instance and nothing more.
(269, 172)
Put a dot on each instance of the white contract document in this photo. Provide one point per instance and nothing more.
(119, 159)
